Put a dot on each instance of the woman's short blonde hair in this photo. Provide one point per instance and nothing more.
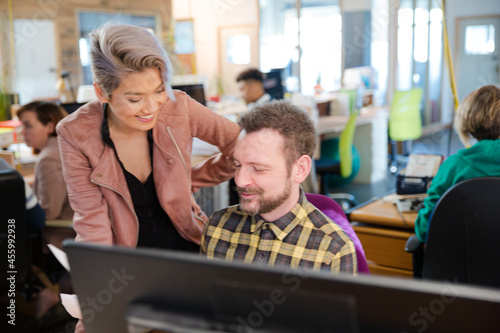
(478, 115)
(121, 49)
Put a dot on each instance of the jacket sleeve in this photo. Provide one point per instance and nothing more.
(445, 178)
(91, 219)
(218, 131)
(51, 188)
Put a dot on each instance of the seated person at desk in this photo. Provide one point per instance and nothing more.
(478, 116)
(127, 156)
(39, 122)
(251, 86)
(274, 223)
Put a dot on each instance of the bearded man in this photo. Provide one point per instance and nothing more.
(274, 224)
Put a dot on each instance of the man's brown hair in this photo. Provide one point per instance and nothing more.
(478, 115)
(290, 121)
(250, 74)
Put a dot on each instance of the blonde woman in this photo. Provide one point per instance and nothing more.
(478, 116)
(127, 156)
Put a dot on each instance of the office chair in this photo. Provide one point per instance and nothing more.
(339, 164)
(405, 122)
(352, 94)
(14, 230)
(464, 231)
(27, 249)
(332, 209)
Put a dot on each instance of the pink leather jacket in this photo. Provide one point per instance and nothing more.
(97, 189)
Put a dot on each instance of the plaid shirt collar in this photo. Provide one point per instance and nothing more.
(282, 226)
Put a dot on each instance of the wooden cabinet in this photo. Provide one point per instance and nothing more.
(383, 232)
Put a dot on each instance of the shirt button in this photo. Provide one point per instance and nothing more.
(99, 175)
(170, 161)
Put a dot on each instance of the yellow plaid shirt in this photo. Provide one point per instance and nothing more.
(304, 237)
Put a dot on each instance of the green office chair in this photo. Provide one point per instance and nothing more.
(353, 99)
(339, 164)
(405, 122)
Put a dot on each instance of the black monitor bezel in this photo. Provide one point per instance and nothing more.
(380, 303)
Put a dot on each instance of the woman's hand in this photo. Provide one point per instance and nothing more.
(197, 212)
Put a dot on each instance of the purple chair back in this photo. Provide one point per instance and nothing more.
(332, 209)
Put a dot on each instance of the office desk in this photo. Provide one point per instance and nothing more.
(383, 213)
(383, 231)
(336, 123)
(6, 137)
(10, 132)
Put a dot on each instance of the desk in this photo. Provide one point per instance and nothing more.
(6, 137)
(336, 123)
(383, 231)
(10, 132)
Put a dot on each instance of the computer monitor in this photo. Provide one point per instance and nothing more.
(71, 107)
(122, 289)
(273, 83)
(196, 91)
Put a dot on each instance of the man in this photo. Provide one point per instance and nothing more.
(274, 223)
(251, 86)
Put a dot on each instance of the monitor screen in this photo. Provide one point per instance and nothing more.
(122, 289)
(71, 107)
(273, 84)
(196, 92)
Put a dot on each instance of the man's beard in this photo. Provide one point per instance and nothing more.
(264, 205)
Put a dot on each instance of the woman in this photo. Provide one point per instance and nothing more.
(39, 122)
(478, 116)
(126, 156)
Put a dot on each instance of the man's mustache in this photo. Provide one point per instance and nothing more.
(249, 190)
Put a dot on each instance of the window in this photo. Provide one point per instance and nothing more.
(303, 38)
(420, 53)
(89, 21)
(479, 39)
(238, 49)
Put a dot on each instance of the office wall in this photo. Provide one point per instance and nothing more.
(208, 17)
(456, 9)
(63, 13)
(356, 36)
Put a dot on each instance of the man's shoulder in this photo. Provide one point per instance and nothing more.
(229, 210)
(228, 217)
(316, 217)
(319, 221)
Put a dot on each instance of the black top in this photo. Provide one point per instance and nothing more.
(155, 227)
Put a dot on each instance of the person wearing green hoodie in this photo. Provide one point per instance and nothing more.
(477, 116)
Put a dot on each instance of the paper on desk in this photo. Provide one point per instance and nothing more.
(393, 197)
(60, 256)
(70, 303)
(423, 165)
